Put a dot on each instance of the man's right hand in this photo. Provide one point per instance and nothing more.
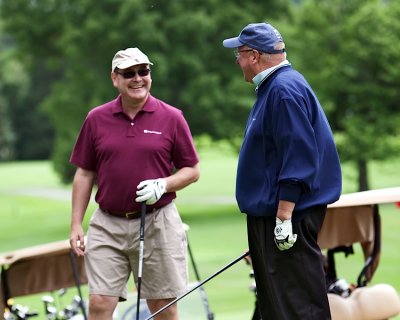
(77, 240)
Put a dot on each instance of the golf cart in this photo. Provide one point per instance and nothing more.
(353, 219)
(43, 268)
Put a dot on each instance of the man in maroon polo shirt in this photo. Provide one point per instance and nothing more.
(136, 148)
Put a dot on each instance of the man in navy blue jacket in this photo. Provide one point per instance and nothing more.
(288, 171)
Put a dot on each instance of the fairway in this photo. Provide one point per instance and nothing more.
(35, 209)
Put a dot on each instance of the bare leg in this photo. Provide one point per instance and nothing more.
(101, 307)
(171, 313)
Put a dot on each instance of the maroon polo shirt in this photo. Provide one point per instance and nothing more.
(124, 152)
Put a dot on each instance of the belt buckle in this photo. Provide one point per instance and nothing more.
(128, 214)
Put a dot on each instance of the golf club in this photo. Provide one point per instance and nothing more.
(141, 247)
(199, 285)
(210, 314)
(78, 283)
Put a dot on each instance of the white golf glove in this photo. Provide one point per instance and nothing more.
(284, 237)
(150, 191)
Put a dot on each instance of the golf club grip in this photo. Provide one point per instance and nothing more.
(199, 285)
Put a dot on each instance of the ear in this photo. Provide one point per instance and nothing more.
(256, 57)
(114, 79)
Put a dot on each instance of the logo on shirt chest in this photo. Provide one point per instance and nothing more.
(151, 131)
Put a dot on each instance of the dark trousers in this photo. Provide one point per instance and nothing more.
(290, 284)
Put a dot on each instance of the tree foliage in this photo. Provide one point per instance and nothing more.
(73, 43)
(349, 51)
(346, 49)
(6, 134)
(26, 132)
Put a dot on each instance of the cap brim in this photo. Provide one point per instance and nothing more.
(128, 64)
(232, 43)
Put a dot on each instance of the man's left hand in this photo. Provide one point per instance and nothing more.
(150, 191)
(284, 237)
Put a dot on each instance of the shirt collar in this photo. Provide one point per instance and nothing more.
(149, 106)
(259, 78)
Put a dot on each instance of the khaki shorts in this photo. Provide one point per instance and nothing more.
(111, 254)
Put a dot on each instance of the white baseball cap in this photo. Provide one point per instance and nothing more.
(129, 57)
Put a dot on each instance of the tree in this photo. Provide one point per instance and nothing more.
(25, 130)
(8, 84)
(349, 53)
(191, 69)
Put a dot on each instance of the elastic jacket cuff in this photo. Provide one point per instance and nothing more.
(290, 191)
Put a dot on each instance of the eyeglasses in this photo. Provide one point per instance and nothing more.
(236, 52)
(132, 74)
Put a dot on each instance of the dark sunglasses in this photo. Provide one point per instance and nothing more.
(132, 74)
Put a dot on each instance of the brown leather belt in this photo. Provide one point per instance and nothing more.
(128, 215)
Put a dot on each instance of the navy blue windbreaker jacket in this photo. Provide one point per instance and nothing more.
(288, 151)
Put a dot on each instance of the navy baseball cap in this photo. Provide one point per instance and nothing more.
(261, 36)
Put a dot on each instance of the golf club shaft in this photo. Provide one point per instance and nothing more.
(199, 285)
(141, 249)
(210, 315)
(77, 283)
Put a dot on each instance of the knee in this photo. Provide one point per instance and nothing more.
(171, 313)
(102, 305)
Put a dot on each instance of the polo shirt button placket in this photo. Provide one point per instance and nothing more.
(131, 132)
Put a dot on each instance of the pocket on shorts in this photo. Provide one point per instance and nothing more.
(168, 231)
(96, 227)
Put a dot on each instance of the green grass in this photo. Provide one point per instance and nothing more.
(27, 174)
(35, 209)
